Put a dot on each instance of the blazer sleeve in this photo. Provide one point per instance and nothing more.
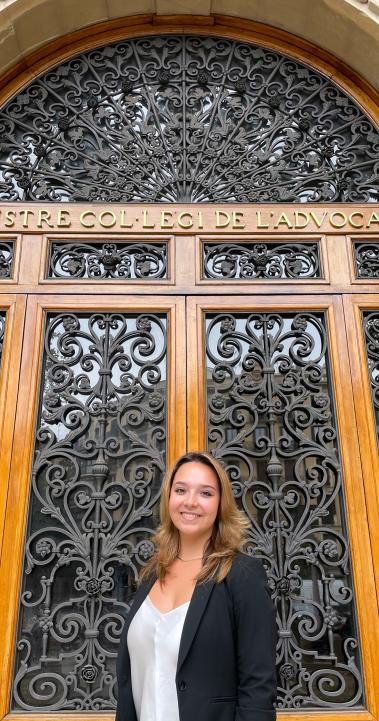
(255, 638)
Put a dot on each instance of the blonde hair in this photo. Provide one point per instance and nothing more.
(228, 533)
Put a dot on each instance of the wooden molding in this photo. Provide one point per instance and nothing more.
(354, 306)
(9, 379)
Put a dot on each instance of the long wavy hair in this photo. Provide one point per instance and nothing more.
(228, 534)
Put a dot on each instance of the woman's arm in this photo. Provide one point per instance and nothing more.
(255, 631)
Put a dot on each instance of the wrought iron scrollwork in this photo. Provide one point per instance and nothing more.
(250, 261)
(186, 119)
(371, 333)
(271, 422)
(2, 332)
(6, 258)
(98, 464)
(98, 261)
(366, 259)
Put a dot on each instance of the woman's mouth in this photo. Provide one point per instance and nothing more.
(189, 516)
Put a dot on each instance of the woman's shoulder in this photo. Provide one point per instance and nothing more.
(247, 567)
(247, 582)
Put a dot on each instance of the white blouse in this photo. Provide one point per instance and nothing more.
(153, 644)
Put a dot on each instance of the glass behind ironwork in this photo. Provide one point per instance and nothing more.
(100, 261)
(98, 464)
(366, 256)
(254, 261)
(371, 333)
(271, 422)
(186, 119)
(6, 259)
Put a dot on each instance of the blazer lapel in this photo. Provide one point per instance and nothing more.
(195, 612)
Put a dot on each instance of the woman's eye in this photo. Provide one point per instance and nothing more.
(207, 493)
(179, 490)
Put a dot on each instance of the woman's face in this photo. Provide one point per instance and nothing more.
(194, 500)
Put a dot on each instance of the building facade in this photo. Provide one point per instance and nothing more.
(189, 258)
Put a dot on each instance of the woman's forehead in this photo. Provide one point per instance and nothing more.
(196, 473)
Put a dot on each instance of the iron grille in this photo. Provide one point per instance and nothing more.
(105, 261)
(6, 258)
(98, 464)
(366, 256)
(186, 119)
(271, 421)
(254, 261)
(371, 334)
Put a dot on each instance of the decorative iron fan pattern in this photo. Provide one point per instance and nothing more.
(186, 119)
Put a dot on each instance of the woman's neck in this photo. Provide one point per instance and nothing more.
(191, 548)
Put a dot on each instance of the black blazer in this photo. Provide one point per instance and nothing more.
(226, 663)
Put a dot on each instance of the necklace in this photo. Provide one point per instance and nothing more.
(187, 560)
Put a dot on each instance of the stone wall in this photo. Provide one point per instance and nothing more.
(349, 29)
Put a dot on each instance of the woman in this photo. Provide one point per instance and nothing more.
(199, 641)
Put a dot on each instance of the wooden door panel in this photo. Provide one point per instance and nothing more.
(138, 344)
(356, 307)
(12, 310)
(223, 431)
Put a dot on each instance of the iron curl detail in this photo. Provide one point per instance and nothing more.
(366, 255)
(252, 261)
(371, 334)
(116, 260)
(6, 259)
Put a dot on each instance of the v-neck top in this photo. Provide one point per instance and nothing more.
(153, 642)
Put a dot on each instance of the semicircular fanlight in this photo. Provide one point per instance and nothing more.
(186, 119)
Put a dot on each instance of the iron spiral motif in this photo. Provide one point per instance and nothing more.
(271, 423)
(99, 261)
(6, 259)
(371, 333)
(366, 256)
(186, 119)
(98, 465)
(2, 332)
(251, 261)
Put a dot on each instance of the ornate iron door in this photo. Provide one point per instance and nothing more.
(104, 404)
(268, 379)
(109, 418)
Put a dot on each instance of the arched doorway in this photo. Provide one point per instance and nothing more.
(204, 297)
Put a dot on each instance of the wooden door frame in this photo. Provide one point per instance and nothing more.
(354, 306)
(14, 306)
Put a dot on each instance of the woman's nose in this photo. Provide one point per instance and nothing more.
(191, 499)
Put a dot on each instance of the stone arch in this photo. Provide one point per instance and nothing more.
(27, 25)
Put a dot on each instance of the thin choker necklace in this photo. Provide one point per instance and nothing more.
(187, 560)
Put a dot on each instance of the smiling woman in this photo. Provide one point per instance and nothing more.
(202, 624)
(193, 506)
